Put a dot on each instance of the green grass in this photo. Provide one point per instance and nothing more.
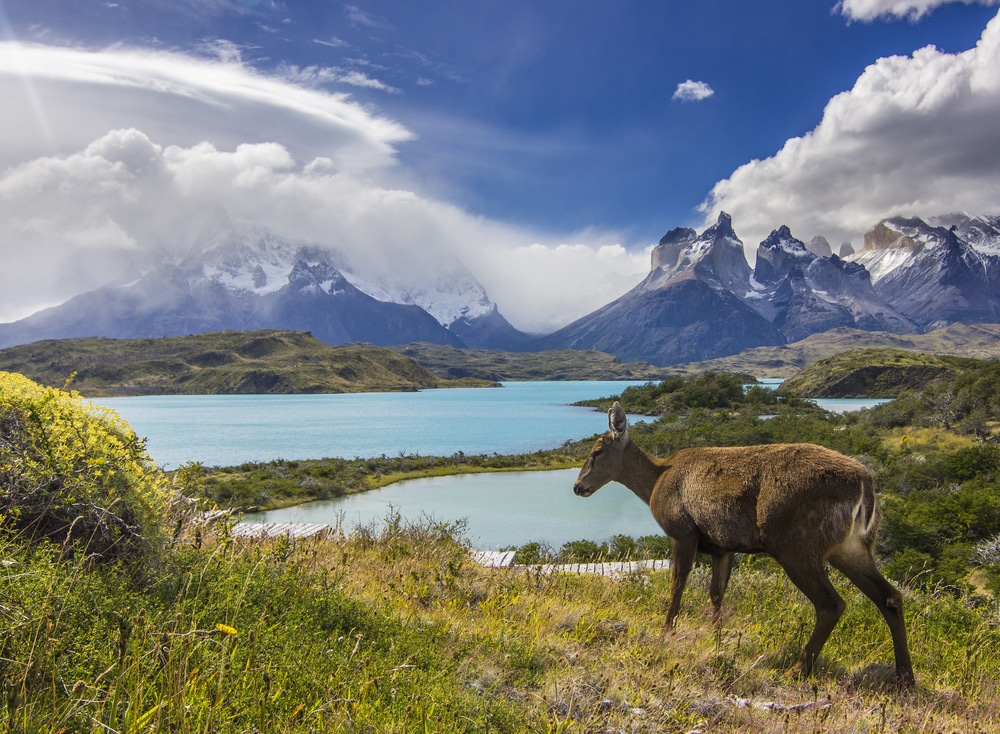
(397, 630)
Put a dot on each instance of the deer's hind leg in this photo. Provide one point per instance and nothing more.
(722, 566)
(810, 576)
(860, 568)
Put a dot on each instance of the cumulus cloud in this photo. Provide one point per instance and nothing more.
(691, 91)
(867, 10)
(72, 223)
(916, 135)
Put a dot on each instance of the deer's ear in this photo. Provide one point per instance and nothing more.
(617, 421)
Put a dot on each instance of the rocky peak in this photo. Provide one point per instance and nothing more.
(883, 237)
(714, 257)
(819, 246)
(667, 253)
(778, 254)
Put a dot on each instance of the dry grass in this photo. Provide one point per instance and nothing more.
(399, 630)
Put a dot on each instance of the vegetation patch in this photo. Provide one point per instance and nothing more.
(879, 373)
(394, 628)
(76, 474)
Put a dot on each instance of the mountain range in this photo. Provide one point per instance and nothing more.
(240, 276)
(700, 300)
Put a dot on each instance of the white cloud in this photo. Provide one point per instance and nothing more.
(867, 10)
(916, 135)
(71, 223)
(80, 94)
(691, 91)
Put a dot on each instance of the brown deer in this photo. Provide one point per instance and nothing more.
(802, 504)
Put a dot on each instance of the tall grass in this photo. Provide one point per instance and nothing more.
(397, 630)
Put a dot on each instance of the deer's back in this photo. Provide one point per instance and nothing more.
(741, 498)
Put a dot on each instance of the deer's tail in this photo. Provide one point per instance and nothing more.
(866, 516)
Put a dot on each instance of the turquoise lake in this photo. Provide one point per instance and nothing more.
(499, 510)
(225, 430)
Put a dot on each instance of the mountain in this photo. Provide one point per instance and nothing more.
(802, 293)
(452, 295)
(685, 309)
(936, 272)
(239, 276)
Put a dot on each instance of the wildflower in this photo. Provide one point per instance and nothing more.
(225, 629)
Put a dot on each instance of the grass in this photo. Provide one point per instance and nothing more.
(397, 630)
(269, 485)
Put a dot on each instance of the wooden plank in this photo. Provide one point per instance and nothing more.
(278, 529)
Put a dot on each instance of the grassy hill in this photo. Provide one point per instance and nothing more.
(877, 373)
(558, 364)
(981, 341)
(218, 363)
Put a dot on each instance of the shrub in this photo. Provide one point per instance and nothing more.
(76, 473)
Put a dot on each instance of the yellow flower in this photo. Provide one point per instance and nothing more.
(225, 629)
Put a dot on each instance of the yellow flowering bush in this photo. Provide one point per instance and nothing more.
(76, 473)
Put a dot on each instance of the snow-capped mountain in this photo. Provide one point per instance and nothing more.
(452, 295)
(686, 308)
(936, 274)
(802, 293)
(243, 276)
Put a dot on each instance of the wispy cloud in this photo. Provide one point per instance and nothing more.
(315, 76)
(184, 99)
(915, 135)
(692, 91)
(332, 42)
(357, 16)
(867, 10)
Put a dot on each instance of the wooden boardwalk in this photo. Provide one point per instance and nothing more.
(489, 559)
(255, 531)
(505, 559)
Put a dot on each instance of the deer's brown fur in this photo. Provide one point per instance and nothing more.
(804, 505)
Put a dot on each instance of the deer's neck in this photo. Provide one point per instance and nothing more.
(642, 471)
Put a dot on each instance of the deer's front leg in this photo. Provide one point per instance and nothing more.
(683, 553)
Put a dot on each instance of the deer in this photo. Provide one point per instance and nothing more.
(804, 505)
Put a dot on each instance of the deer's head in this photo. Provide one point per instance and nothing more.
(604, 464)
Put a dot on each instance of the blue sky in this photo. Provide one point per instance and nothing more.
(546, 144)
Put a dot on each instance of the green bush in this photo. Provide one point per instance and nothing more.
(76, 473)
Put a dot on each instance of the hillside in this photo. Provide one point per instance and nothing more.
(981, 341)
(877, 373)
(218, 363)
(559, 364)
